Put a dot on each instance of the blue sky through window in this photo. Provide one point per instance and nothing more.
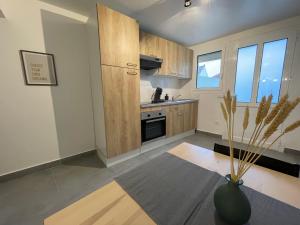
(272, 69)
(209, 70)
(245, 73)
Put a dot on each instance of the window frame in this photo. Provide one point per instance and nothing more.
(210, 89)
(259, 41)
(283, 68)
(254, 72)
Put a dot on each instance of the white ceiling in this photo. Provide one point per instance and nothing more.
(204, 20)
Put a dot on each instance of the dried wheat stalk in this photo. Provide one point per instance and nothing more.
(265, 120)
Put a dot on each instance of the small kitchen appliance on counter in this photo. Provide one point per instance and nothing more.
(156, 96)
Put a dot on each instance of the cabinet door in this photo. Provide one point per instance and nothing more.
(172, 58)
(188, 63)
(185, 62)
(169, 56)
(177, 120)
(169, 120)
(119, 38)
(149, 45)
(181, 61)
(121, 94)
(163, 48)
(190, 116)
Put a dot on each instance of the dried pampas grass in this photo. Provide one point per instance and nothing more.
(266, 120)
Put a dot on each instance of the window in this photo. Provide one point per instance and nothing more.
(268, 76)
(209, 70)
(245, 73)
(271, 69)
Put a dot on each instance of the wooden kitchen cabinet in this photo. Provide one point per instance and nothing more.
(174, 120)
(190, 116)
(171, 58)
(177, 59)
(181, 118)
(121, 95)
(181, 61)
(119, 38)
(188, 63)
(178, 119)
(184, 62)
(149, 45)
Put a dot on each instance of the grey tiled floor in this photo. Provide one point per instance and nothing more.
(31, 198)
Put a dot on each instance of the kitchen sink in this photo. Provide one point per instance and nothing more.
(182, 100)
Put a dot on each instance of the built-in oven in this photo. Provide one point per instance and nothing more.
(153, 125)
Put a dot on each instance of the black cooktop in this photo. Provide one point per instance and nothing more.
(157, 101)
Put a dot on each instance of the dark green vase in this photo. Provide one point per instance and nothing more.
(232, 205)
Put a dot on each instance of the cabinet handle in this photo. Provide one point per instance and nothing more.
(132, 73)
(131, 64)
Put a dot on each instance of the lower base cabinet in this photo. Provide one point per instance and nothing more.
(181, 118)
(121, 95)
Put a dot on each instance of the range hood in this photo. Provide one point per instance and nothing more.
(149, 62)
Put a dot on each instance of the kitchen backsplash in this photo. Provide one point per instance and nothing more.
(171, 86)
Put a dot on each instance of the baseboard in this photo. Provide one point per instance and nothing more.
(276, 147)
(272, 163)
(121, 158)
(156, 144)
(292, 151)
(208, 133)
(144, 148)
(42, 166)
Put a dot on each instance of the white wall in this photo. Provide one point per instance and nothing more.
(96, 81)
(209, 115)
(39, 124)
(170, 85)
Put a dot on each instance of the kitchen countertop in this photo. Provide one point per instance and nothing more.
(176, 102)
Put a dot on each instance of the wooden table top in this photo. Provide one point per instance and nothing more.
(111, 205)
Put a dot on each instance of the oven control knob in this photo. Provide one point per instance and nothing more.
(148, 115)
(159, 114)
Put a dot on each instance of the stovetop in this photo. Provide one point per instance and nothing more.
(157, 101)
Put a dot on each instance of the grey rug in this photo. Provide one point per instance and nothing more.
(173, 191)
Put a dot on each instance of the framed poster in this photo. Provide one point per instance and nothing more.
(38, 68)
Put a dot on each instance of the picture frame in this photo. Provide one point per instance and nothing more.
(38, 68)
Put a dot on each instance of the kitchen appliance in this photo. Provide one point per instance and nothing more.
(149, 62)
(153, 125)
(156, 96)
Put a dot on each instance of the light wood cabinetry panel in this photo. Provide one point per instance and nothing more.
(190, 116)
(169, 120)
(119, 38)
(121, 94)
(171, 58)
(189, 53)
(179, 118)
(177, 59)
(182, 62)
(150, 45)
(164, 70)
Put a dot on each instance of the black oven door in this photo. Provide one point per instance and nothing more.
(153, 128)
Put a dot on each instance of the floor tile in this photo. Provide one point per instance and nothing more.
(31, 198)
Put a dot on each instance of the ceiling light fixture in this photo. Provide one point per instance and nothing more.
(187, 3)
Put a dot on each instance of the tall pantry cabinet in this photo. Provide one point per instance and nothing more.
(120, 76)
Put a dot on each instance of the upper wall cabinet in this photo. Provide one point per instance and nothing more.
(177, 59)
(119, 38)
(185, 62)
(150, 45)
